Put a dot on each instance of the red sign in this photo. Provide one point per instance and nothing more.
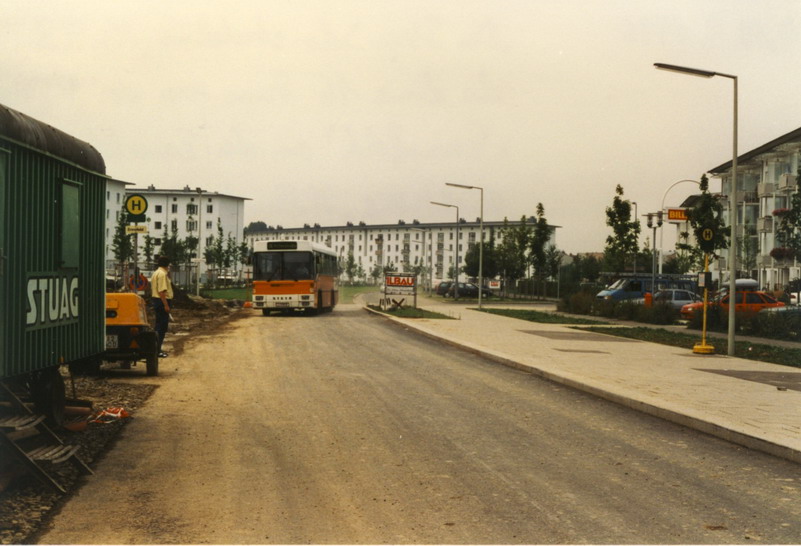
(677, 214)
(396, 280)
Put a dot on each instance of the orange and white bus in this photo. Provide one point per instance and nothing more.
(294, 275)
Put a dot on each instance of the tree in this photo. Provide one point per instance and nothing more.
(540, 236)
(748, 248)
(512, 250)
(788, 231)
(622, 244)
(350, 267)
(123, 244)
(255, 227)
(147, 250)
(553, 262)
(471, 260)
(706, 220)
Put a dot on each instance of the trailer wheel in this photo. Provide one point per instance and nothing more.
(49, 395)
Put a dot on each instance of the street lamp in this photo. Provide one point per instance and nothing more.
(199, 238)
(636, 238)
(651, 224)
(481, 235)
(662, 233)
(733, 192)
(456, 266)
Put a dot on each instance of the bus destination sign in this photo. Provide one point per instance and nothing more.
(282, 245)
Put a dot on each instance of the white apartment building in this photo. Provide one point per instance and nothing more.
(192, 212)
(400, 245)
(766, 180)
(115, 200)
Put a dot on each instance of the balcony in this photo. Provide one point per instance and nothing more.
(787, 182)
(765, 188)
(764, 261)
(765, 224)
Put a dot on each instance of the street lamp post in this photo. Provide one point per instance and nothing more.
(636, 237)
(456, 266)
(732, 193)
(653, 225)
(199, 238)
(662, 233)
(481, 236)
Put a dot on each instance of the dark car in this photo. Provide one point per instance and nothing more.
(469, 290)
(443, 288)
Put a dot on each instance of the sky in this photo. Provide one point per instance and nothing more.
(334, 111)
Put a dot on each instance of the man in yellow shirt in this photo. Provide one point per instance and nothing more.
(161, 296)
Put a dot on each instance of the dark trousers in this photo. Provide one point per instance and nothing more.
(162, 319)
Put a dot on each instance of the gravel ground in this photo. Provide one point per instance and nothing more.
(25, 504)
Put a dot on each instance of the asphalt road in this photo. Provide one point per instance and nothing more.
(345, 428)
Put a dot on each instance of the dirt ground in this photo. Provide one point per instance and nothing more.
(26, 504)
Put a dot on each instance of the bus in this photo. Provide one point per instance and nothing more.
(294, 276)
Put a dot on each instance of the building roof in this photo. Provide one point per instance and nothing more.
(186, 190)
(400, 225)
(793, 137)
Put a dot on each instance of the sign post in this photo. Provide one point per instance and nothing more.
(136, 206)
(401, 284)
(707, 245)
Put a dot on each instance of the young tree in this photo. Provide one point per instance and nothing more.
(540, 236)
(512, 250)
(622, 244)
(706, 220)
(788, 230)
(123, 244)
(350, 267)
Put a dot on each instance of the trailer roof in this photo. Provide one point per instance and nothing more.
(36, 134)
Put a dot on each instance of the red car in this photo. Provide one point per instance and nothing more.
(748, 303)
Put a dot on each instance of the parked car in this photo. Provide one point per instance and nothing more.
(443, 288)
(747, 303)
(470, 290)
(674, 297)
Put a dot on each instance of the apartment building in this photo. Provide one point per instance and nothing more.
(115, 201)
(401, 246)
(192, 212)
(766, 181)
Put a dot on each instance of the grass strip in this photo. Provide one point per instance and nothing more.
(540, 316)
(742, 349)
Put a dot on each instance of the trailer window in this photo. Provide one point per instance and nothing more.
(70, 224)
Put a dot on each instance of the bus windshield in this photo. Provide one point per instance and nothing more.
(283, 266)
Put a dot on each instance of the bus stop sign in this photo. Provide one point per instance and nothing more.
(707, 239)
(136, 206)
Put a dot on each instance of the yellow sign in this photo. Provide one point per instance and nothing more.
(135, 229)
(708, 234)
(136, 204)
(677, 214)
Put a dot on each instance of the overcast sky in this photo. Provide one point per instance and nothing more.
(337, 111)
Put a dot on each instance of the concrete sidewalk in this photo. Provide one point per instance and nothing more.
(750, 403)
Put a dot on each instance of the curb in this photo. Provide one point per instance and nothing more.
(695, 423)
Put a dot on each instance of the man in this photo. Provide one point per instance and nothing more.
(161, 292)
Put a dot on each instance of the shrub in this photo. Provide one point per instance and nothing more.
(580, 303)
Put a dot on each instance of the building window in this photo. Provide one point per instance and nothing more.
(209, 208)
(174, 225)
(174, 208)
(158, 225)
(191, 208)
(158, 209)
(209, 224)
(191, 225)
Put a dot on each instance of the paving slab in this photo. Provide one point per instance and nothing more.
(751, 403)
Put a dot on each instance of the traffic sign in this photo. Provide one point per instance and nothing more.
(135, 229)
(136, 205)
(677, 214)
(707, 239)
